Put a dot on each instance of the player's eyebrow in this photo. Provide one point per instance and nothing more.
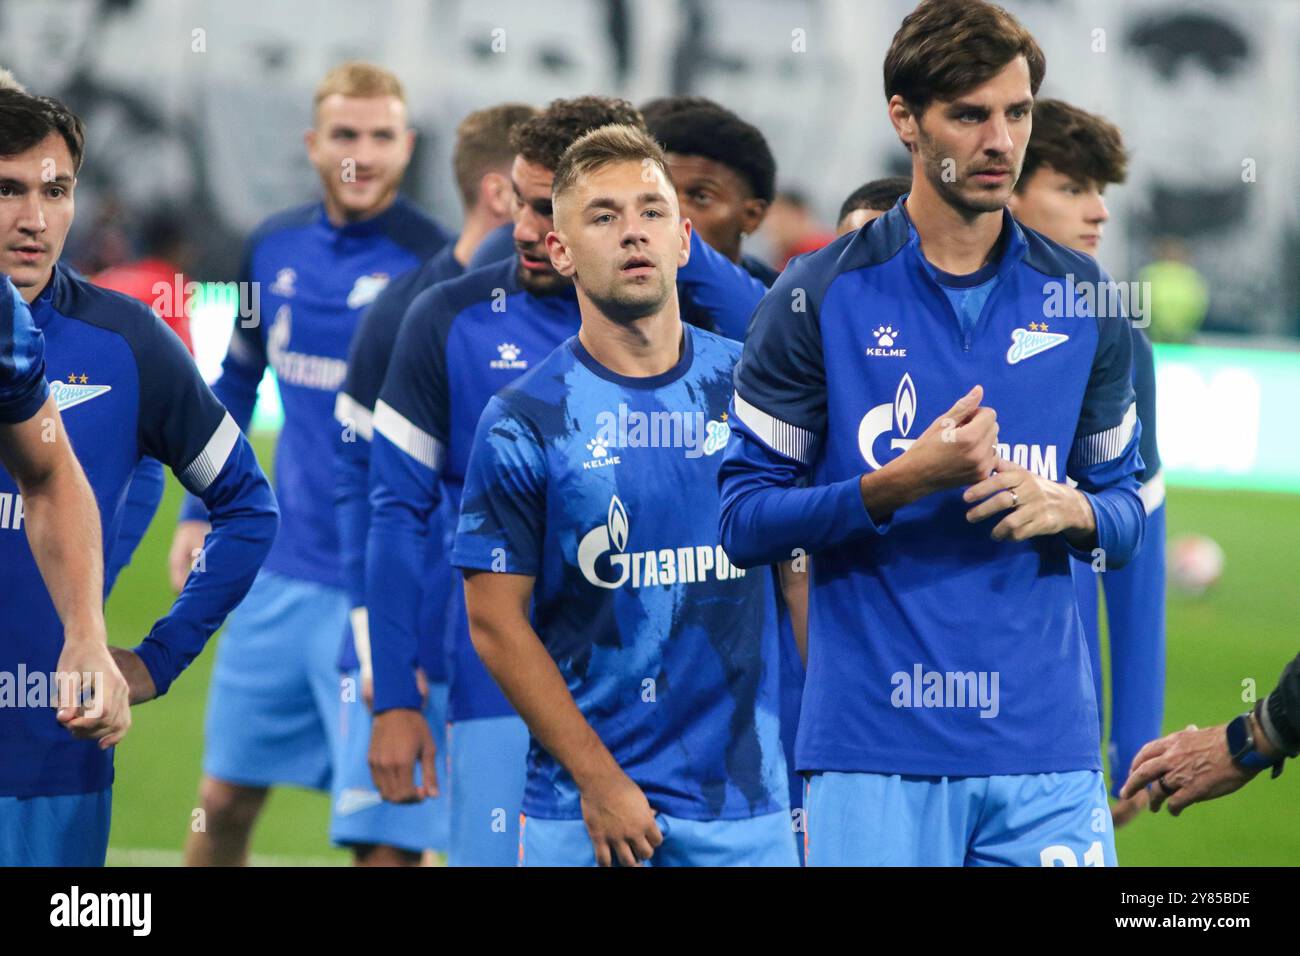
(609, 202)
(958, 107)
(542, 206)
(12, 183)
(61, 179)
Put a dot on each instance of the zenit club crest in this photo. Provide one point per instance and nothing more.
(1026, 343)
(75, 391)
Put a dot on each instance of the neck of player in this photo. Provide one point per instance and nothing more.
(640, 348)
(953, 240)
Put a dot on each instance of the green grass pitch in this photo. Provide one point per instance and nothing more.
(1246, 628)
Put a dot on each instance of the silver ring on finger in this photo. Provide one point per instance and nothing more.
(1015, 498)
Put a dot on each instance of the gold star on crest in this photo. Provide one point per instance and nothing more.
(72, 379)
(85, 379)
(1042, 326)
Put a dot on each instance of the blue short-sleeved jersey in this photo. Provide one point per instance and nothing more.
(933, 649)
(460, 343)
(604, 488)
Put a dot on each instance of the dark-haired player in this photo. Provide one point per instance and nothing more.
(909, 422)
(126, 388)
(724, 172)
(460, 343)
(274, 701)
(1072, 157)
(870, 201)
(383, 833)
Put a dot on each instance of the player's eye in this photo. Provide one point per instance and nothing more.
(1018, 113)
(56, 192)
(6, 192)
(603, 218)
(653, 213)
(699, 198)
(970, 116)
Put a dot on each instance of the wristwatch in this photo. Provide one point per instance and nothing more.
(1241, 747)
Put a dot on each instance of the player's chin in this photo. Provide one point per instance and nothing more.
(988, 198)
(360, 197)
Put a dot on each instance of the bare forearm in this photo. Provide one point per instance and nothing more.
(794, 589)
(518, 661)
(62, 519)
(887, 489)
(63, 529)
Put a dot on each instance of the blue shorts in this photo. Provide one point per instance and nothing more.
(1038, 819)
(274, 703)
(487, 758)
(757, 841)
(358, 815)
(70, 830)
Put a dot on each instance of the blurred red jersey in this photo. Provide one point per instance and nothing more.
(146, 280)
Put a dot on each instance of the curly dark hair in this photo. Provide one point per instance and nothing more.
(544, 138)
(1079, 144)
(697, 126)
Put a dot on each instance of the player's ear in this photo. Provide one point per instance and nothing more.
(752, 213)
(561, 261)
(310, 140)
(494, 194)
(685, 230)
(903, 120)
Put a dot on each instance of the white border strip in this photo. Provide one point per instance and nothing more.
(348, 411)
(782, 437)
(413, 440)
(1108, 445)
(203, 470)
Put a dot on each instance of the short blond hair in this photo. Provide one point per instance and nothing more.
(358, 78)
(9, 82)
(483, 145)
(616, 143)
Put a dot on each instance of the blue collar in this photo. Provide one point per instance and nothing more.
(647, 383)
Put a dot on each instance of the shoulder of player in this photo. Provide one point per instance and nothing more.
(535, 394)
(415, 230)
(444, 302)
(712, 349)
(1056, 261)
(287, 220)
(76, 297)
(874, 244)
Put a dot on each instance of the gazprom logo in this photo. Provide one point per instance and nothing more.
(897, 417)
(612, 536)
(664, 566)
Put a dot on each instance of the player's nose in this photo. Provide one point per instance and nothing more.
(526, 227)
(998, 141)
(1097, 211)
(31, 217)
